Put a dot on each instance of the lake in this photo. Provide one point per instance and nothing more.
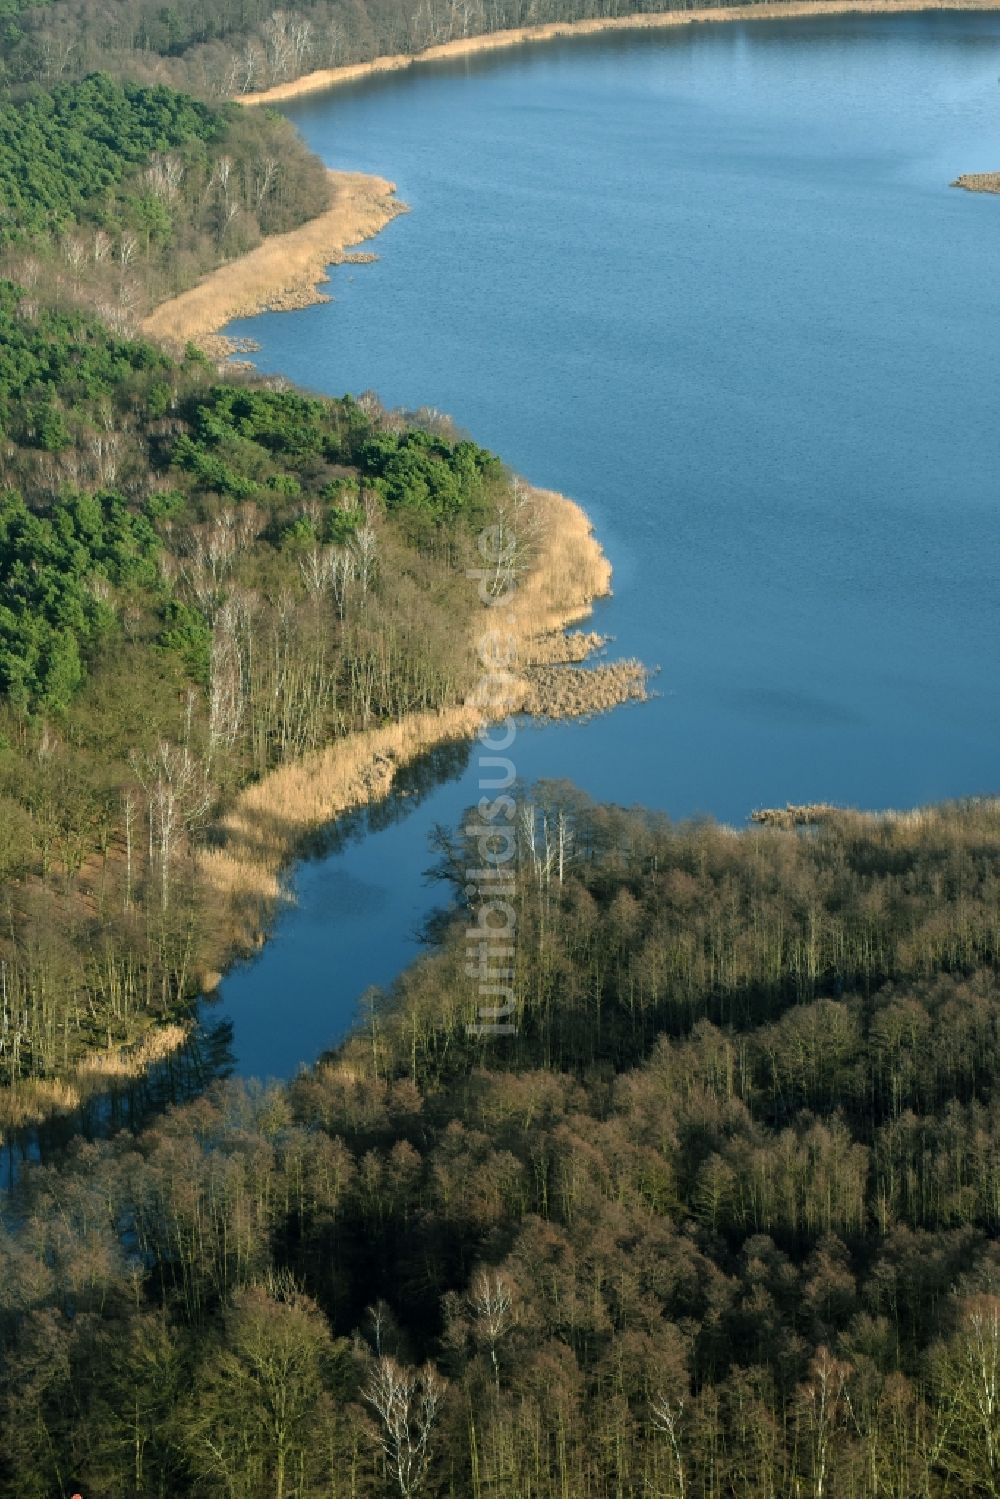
(714, 285)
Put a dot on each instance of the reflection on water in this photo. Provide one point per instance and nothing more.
(360, 905)
(205, 1057)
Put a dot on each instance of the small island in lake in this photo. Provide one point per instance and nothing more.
(979, 182)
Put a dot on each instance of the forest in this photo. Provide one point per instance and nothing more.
(720, 1220)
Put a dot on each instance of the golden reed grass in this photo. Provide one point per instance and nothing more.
(283, 272)
(982, 814)
(36, 1099)
(567, 691)
(324, 78)
(133, 1061)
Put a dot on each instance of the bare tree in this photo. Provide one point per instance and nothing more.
(74, 253)
(223, 173)
(406, 1402)
(382, 1327)
(209, 551)
(178, 795)
(334, 44)
(164, 175)
(57, 53)
(226, 698)
(265, 171)
(300, 33)
(968, 1377)
(129, 810)
(821, 1401)
(251, 63)
(364, 546)
(128, 248)
(104, 449)
(492, 1306)
(279, 43)
(232, 83)
(666, 1418)
(564, 842)
(317, 568)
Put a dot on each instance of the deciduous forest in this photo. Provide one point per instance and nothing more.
(720, 1220)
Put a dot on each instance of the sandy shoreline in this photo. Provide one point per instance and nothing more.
(324, 78)
(282, 273)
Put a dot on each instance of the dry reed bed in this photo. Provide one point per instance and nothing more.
(37, 1099)
(282, 273)
(794, 816)
(915, 820)
(324, 78)
(567, 647)
(580, 691)
(275, 817)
